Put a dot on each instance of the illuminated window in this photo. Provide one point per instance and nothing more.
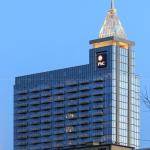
(69, 129)
(70, 116)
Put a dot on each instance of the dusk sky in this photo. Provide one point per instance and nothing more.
(43, 35)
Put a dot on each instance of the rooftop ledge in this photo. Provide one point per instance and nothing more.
(109, 41)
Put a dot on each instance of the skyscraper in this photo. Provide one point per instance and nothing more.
(87, 106)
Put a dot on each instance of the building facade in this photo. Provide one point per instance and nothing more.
(84, 106)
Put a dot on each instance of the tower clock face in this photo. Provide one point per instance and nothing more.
(101, 60)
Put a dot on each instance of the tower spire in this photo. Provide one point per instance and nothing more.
(112, 4)
(112, 25)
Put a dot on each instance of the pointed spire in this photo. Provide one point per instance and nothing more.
(112, 25)
(112, 4)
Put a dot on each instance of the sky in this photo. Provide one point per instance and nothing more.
(43, 35)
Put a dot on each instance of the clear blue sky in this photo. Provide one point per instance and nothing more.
(42, 35)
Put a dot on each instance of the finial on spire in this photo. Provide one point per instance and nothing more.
(112, 4)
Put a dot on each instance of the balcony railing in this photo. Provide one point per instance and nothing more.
(35, 141)
(97, 86)
(85, 140)
(34, 102)
(98, 99)
(71, 123)
(34, 135)
(83, 101)
(46, 126)
(72, 89)
(97, 126)
(58, 145)
(46, 120)
(72, 102)
(97, 113)
(84, 114)
(71, 142)
(46, 140)
(22, 111)
(85, 94)
(59, 98)
(21, 142)
(36, 146)
(84, 87)
(59, 118)
(71, 83)
(46, 88)
(97, 133)
(35, 89)
(22, 137)
(59, 125)
(46, 94)
(84, 82)
(22, 97)
(84, 135)
(22, 130)
(34, 122)
(58, 111)
(59, 105)
(98, 119)
(21, 104)
(46, 145)
(35, 128)
(46, 100)
(21, 124)
(46, 113)
(35, 95)
(58, 86)
(34, 115)
(84, 128)
(21, 117)
(99, 79)
(21, 92)
(72, 136)
(72, 96)
(72, 109)
(98, 140)
(58, 92)
(46, 107)
(46, 133)
(84, 107)
(98, 106)
(84, 121)
(34, 108)
(98, 93)
(60, 131)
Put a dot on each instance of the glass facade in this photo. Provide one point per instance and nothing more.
(79, 106)
(125, 98)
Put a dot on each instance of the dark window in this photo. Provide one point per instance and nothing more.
(102, 149)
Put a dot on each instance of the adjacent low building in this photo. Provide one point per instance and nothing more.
(144, 149)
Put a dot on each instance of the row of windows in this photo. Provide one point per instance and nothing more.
(61, 86)
(63, 96)
(48, 100)
(46, 144)
(62, 117)
(61, 137)
(56, 110)
(58, 118)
